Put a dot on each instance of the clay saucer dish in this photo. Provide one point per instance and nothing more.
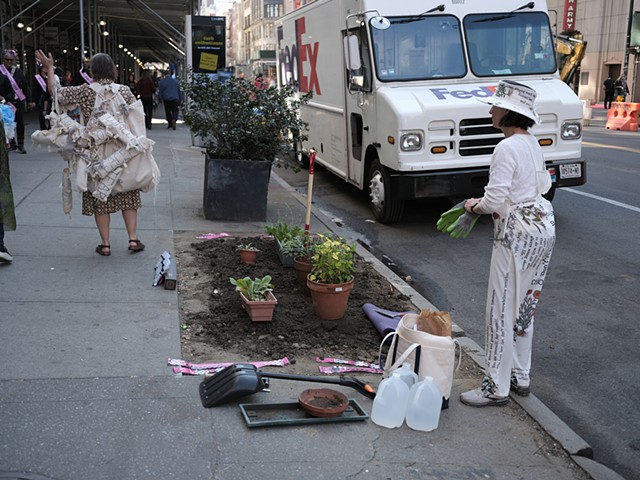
(323, 402)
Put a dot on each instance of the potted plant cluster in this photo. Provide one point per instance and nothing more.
(248, 253)
(332, 276)
(303, 259)
(243, 129)
(289, 241)
(257, 297)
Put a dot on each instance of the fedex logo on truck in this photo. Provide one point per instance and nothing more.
(297, 59)
(482, 92)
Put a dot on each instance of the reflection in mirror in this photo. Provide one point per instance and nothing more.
(352, 52)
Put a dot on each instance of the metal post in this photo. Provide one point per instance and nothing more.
(81, 34)
(2, 32)
(627, 43)
(636, 64)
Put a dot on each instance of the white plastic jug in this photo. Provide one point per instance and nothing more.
(390, 403)
(425, 403)
(407, 374)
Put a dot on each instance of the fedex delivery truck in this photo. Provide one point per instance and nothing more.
(396, 84)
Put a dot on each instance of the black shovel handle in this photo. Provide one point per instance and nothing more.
(363, 388)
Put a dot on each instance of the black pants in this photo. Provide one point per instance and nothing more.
(171, 110)
(608, 98)
(147, 105)
(19, 124)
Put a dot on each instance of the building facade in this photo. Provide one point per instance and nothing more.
(606, 26)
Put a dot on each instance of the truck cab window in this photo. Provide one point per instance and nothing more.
(509, 44)
(419, 48)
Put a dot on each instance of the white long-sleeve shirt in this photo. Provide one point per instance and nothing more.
(512, 174)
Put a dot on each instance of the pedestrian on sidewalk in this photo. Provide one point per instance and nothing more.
(169, 93)
(524, 236)
(7, 209)
(145, 88)
(42, 98)
(622, 89)
(104, 72)
(609, 91)
(21, 93)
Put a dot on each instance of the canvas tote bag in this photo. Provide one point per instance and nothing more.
(429, 355)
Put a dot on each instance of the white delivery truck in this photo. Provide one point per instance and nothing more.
(396, 84)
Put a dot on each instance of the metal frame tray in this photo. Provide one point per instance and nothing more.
(291, 413)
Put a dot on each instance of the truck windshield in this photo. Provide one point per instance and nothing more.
(419, 48)
(509, 44)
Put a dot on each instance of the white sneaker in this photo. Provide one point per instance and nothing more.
(5, 256)
(478, 398)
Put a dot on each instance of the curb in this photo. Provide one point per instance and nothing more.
(577, 448)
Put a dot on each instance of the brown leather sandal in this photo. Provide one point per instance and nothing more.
(104, 250)
(138, 247)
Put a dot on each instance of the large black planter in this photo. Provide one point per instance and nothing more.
(236, 189)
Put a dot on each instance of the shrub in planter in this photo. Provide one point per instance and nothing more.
(333, 260)
(331, 278)
(244, 128)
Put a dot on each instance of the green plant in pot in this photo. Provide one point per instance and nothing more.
(244, 129)
(284, 231)
(303, 259)
(289, 241)
(332, 276)
(248, 253)
(257, 297)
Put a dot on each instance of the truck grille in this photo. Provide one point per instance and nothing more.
(483, 139)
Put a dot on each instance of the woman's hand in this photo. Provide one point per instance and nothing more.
(45, 60)
(469, 204)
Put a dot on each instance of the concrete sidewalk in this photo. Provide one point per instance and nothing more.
(86, 394)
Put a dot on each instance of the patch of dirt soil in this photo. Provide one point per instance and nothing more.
(215, 328)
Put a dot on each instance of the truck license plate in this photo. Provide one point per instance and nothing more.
(572, 170)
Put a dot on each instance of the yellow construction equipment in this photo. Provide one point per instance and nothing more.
(570, 50)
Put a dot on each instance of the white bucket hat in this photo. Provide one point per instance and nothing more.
(515, 97)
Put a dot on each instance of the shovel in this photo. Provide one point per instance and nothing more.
(240, 379)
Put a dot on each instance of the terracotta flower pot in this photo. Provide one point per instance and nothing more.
(260, 311)
(330, 300)
(248, 257)
(303, 268)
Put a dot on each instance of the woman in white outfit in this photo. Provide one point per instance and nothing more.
(524, 236)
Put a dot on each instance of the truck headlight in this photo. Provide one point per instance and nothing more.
(410, 142)
(571, 130)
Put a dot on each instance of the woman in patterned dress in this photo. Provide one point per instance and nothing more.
(103, 71)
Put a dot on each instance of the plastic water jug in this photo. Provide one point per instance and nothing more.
(425, 403)
(407, 374)
(390, 404)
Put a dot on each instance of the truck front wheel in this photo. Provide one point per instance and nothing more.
(385, 208)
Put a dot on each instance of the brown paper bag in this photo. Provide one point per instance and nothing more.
(435, 323)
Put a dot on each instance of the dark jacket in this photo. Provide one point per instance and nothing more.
(6, 90)
(145, 87)
(21, 80)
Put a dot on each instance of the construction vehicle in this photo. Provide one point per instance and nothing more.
(396, 84)
(570, 50)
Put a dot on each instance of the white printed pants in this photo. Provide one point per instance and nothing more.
(519, 265)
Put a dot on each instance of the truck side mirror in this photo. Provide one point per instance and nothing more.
(354, 62)
(352, 52)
